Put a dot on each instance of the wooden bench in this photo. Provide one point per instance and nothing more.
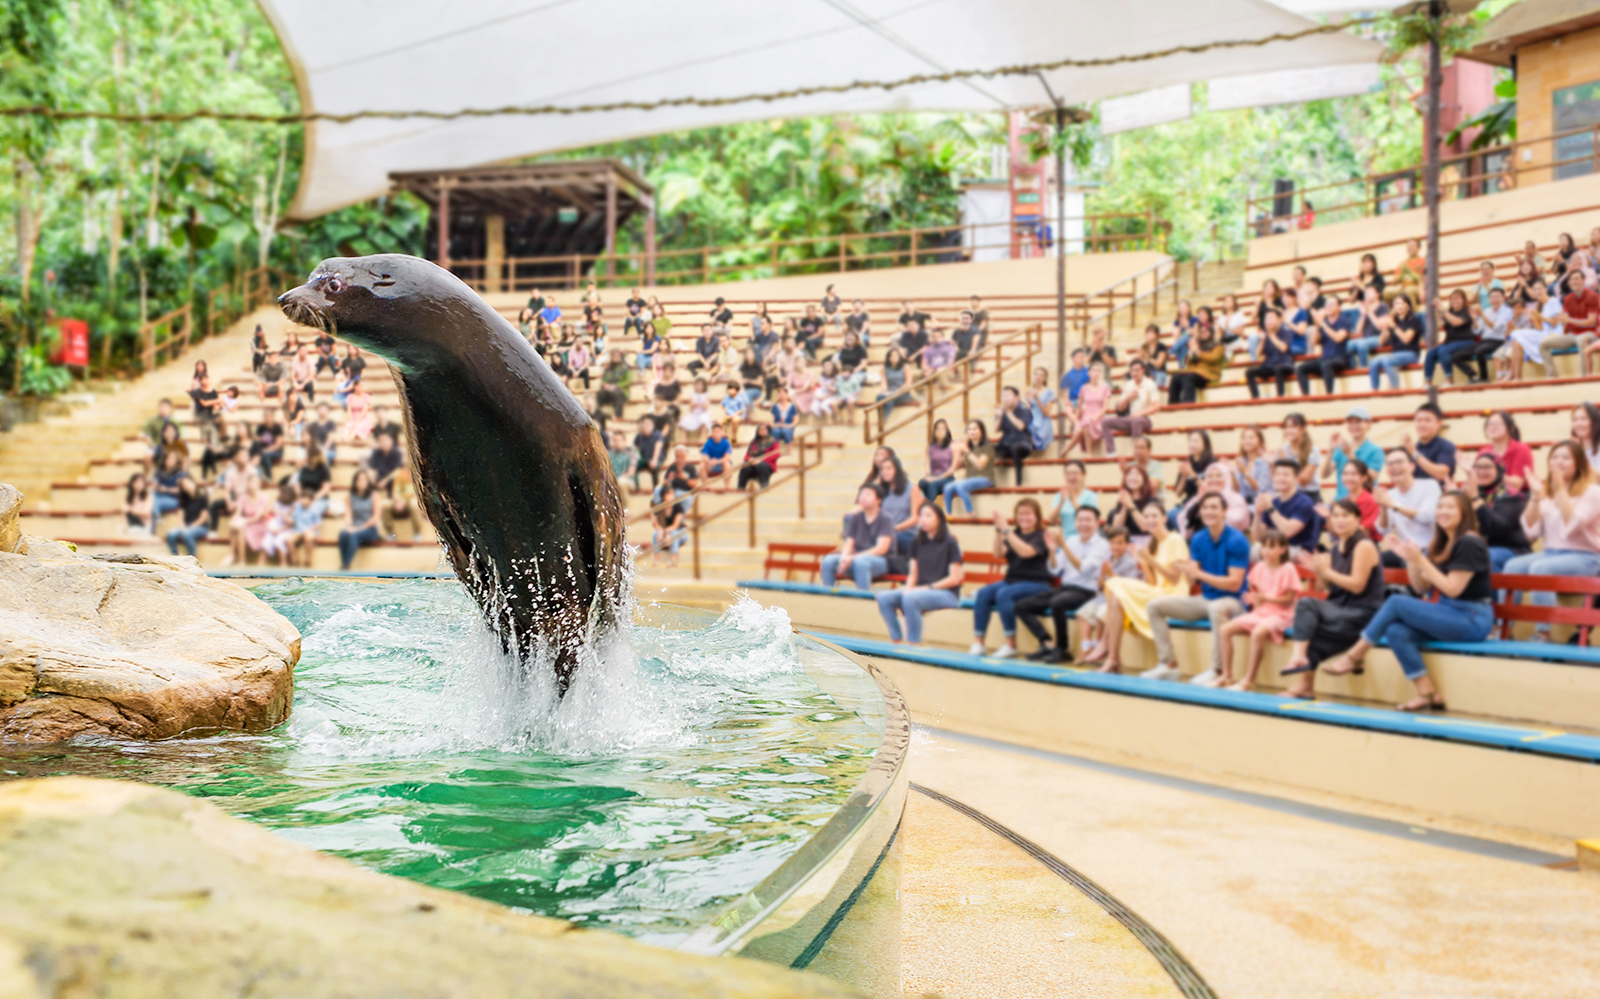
(1584, 617)
(794, 557)
(976, 577)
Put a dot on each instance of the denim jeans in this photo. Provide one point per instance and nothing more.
(351, 541)
(1409, 621)
(1180, 350)
(1390, 364)
(863, 568)
(165, 503)
(964, 488)
(1498, 557)
(188, 537)
(1361, 347)
(1444, 354)
(913, 604)
(1002, 597)
(783, 435)
(1561, 562)
(932, 489)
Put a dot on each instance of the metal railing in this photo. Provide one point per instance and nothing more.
(1468, 175)
(803, 440)
(834, 254)
(1032, 343)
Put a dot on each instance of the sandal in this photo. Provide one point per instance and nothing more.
(1432, 702)
(1110, 668)
(1298, 695)
(1356, 669)
(1292, 670)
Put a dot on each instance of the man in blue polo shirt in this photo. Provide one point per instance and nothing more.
(1077, 376)
(1288, 509)
(1219, 557)
(1352, 444)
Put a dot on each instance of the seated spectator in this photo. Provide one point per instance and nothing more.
(314, 474)
(909, 313)
(398, 506)
(706, 349)
(1580, 317)
(1402, 336)
(195, 506)
(1218, 479)
(303, 374)
(294, 414)
(651, 448)
(624, 458)
(913, 340)
(361, 519)
(1128, 600)
(1368, 277)
(1454, 568)
(1121, 562)
(280, 527)
(1297, 444)
(1300, 319)
(1371, 320)
(852, 357)
(1135, 492)
(324, 353)
(1093, 400)
(358, 418)
(760, 459)
(868, 541)
(1186, 484)
(1130, 413)
(309, 510)
(1432, 455)
(1206, 361)
(1456, 324)
(271, 378)
(1505, 443)
(901, 502)
(1277, 362)
(810, 334)
(385, 462)
(894, 391)
(976, 458)
(138, 505)
(1027, 574)
(734, 406)
(763, 337)
(1101, 352)
(155, 426)
(968, 339)
(804, 386)
(698, 416)
(1273, 586)
(934, 574)
(1358, 480)
(785, 416)
(718, 450)
(1533, 325)
(1288, 509)
(1349, 444)
(1252, 467)
(1076, 376)
(171, 441)
(847, 389)
(1014, 420)
(941, 462)
(752, 376)
(1564, 510)
(859, 322)
(322, 433)
(1409, 273)
(1353, 578)
(615, 380)
(1075, 559)
(1586, 431)
(1409, 506)
(1073, 496)
(1155, 356)
(1487, 284)
(1331, 329)
(682, 473)
(667, 516)
(1219, 557)
(1499, 511)
(382, 424)
(939, 355)
(1492, 325)
(168, 483)
(259, 349)
(250, 522)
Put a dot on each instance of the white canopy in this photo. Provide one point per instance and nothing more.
(426, 55)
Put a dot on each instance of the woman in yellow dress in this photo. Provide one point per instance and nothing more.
(1127, 599)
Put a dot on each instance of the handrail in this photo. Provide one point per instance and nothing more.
(877, 406)
(1373, 199)
(177, 336)
(748, 499)
(766, 256)
(1132, 305)
(1033, 342)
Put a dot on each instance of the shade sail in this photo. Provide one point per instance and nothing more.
(428, 55)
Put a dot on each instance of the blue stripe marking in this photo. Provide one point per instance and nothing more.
(1545, 742)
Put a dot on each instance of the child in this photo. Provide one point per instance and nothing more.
(230, 406)
(735, 407)
(280, 529)
(624, 458)
(826, 399)
(718, 451)
(1274, 588)
(1091, 407)
(306, 524)
(699, 415)
(1121, 563)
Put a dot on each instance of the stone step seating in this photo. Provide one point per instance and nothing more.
(1546, 684)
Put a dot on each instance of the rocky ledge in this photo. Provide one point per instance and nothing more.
(136, 647)
(124, 890)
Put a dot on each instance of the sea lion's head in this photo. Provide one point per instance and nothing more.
(397, 306)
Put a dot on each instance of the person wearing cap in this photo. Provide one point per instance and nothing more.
(1351, 443)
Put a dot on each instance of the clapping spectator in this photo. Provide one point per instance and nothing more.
(1403, 336)
(1353, 577)
(1128, 600)
(1273, 589)
(1563, 510)
(1286, 509)
(1014, 421)
(1206, 362)
(868, 541)
(1371, 320)
(1349, 444)
(1409, 506)
(1027, 573)
(1331, 330)
(1499, 511)
(1505, 444)
(760, 459)
(1132, 411)
(1075, 559)
(1433, 455)
(1455, 319)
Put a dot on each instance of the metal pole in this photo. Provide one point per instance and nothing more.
(1061, 241)
(1430, 179)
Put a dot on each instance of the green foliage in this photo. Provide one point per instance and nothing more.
(39, 376)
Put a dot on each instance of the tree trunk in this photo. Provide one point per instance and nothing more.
(27, 223)
(266, 213)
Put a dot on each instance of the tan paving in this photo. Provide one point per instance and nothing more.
(981, 919)
(1268, 904)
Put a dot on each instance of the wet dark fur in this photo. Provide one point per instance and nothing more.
(510, 469)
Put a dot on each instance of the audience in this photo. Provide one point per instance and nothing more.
(1218, 560)
(934, 574)
(1499, 511)
(868, 542)
(1014, 421)
(1272, 589)
(1076, 558)
(760, 459)
(1564, 512)
(1027, 573)
(1128, 600)
(1343, 448)
(977, 458)
(1353, 578)
(1409, 506)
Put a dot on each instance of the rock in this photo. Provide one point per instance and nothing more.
(10, 517)
(145, 650)
(125, 890)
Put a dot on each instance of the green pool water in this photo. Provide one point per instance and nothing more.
(679, 771)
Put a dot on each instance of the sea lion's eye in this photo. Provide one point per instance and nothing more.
(335, 284)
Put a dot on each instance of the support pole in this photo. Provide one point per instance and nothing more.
(1430, 181)
(611, 229)
(650, 241)
(444, 222)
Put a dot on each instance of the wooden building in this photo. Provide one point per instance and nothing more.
(505, 227)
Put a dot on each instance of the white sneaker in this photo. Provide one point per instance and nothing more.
(1005, 652)
(977, 650)
(1207, 679)
(1161, 671)
(1539, 636)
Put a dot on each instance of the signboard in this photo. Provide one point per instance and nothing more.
(74, 349)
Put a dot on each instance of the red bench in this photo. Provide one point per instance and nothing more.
(793, 557)
(996, 572)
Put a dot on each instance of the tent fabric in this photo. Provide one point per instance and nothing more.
(424, 55)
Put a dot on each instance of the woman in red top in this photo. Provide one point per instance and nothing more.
(1357, 479)
(1505, 443)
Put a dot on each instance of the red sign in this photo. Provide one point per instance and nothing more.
(74, 343)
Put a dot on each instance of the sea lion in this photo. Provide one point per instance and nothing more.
(510, 469)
